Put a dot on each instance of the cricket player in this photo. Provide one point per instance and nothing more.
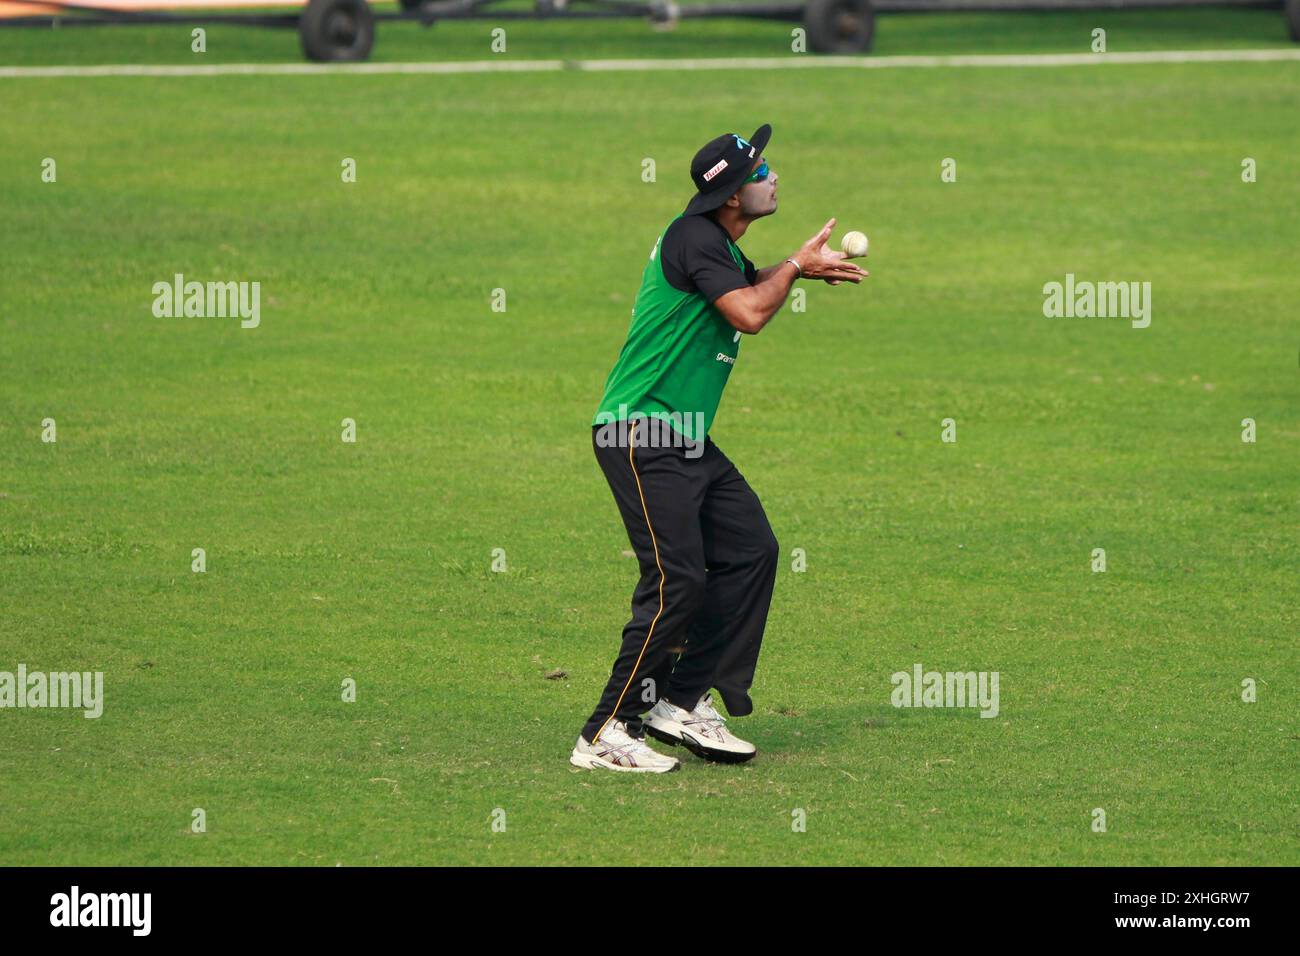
(707, 554)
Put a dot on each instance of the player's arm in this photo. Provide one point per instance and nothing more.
(764, 274)
(751, 308)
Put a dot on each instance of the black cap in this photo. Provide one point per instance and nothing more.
(721, 167)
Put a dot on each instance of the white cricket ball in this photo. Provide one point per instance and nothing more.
(854, 244)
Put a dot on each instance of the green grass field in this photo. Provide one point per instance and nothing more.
(326, 560)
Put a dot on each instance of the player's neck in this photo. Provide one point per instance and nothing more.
(731, 220)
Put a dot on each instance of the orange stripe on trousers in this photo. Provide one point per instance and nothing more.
(654, 544)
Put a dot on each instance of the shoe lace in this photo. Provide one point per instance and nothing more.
(617, 737)
(705, 711)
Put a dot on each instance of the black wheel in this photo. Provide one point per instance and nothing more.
(1293, 18)
(336, 31)
(839, 26)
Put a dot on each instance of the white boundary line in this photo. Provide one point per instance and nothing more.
(597, 66)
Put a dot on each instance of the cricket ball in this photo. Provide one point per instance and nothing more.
(854, 244)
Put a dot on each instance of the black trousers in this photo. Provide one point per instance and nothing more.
(708, 562)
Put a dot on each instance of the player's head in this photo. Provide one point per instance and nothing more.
(757, 196)
(730, 172)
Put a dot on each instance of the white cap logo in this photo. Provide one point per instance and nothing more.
(722, 164)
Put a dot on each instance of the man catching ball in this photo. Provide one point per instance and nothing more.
(707, 553)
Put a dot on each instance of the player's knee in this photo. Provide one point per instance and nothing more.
(691, 590)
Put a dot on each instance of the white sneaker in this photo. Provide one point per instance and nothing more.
(703, 731)
(616, 749)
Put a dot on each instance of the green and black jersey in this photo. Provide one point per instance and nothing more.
(679, 349)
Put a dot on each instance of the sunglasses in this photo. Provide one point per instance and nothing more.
(758, 175)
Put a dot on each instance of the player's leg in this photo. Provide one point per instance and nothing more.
(659, 492)
(726, 634)
(741, 553)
